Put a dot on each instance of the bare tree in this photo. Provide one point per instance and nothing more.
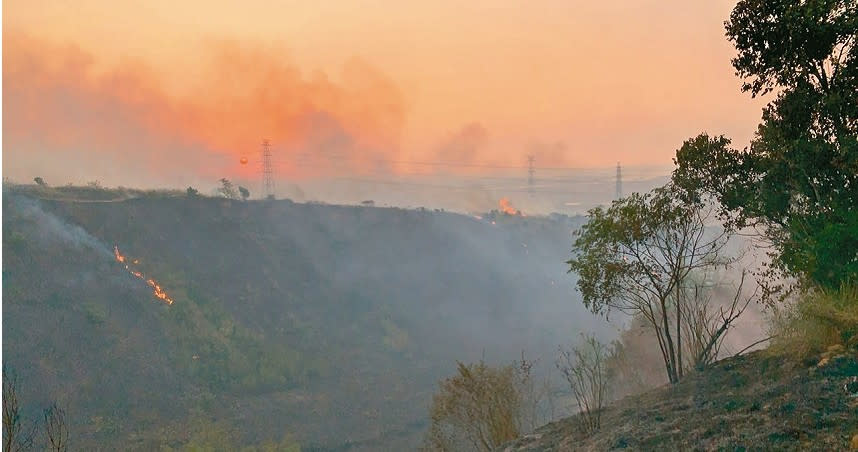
(537, 400)
(704, 327)
(586, 370)
(56, 428)
(16, 436)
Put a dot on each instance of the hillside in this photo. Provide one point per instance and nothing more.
(326, 326)
(751, 402)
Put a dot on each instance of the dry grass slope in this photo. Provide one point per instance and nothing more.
(755, 402)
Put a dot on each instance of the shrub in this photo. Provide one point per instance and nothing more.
(818, 319)
(480, 408)
(227, 189)
(586, 370)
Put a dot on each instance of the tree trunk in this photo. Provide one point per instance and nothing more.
(678, 331)
(672, 374)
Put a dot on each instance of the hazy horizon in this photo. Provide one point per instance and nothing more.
(176, 95)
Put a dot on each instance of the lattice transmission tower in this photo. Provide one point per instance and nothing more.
(267, 171)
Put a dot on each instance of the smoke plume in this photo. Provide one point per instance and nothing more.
(69, 115)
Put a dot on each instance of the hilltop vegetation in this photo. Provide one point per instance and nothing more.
(320, 325)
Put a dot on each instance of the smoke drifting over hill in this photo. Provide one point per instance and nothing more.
(49, 228)
(306, 314)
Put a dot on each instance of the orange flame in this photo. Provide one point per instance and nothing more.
(156, 289)
(507, 208)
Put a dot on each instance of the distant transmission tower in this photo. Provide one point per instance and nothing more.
(619, 182)
(267, 171)
(531, 171)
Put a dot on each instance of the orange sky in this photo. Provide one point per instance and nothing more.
(131, 91)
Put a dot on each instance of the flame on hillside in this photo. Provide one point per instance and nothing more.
(156, 289)
(507, 208)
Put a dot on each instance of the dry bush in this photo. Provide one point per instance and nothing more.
(56, 428)
(815, 321)
(16, 435)
(585, 368)
(710, 310)
(537, 397)
(480, 408)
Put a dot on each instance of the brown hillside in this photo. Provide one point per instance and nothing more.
(752, 402)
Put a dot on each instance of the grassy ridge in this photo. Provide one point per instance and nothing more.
(324, 325)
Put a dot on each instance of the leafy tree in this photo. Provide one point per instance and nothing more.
(245, 193)
(227, 190)
(40, 182)
(798, 181)
(639, 256)
(192, 192)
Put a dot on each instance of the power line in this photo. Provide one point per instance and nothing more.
(454, 164)
(530, 172)
(456, 187)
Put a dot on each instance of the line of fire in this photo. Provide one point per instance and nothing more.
(156, 288)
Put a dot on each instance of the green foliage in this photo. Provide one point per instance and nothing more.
(820, 319)
(284, 339)
(223, 355)
(207, 435)
(638, 257)
(799, 178)
(620, 254)
(95, 313)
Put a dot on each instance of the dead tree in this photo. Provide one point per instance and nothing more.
(16, 436)
(706, 323)
(56, 428)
